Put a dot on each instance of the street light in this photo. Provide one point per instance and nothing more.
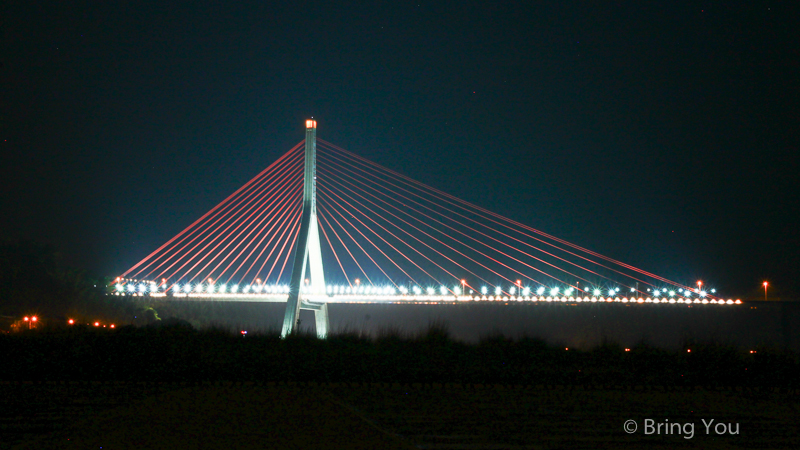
(765, 290)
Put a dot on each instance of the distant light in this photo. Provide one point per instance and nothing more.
(34, 319)
(702, 293)
(498, 290)
(688, 350)
(120, 287)
(131, 288)
(597, 292)
(627, 349)
(234, 288)
(443, 290)
(554, 291)
(540, 291)
(632, 289)
(611, 292)
(142, 287)
(153, 287)
(484, 290)
(512, 290)
(97, 324)
(26, 319)
(70, 321)
(672, 293)
(112, 325)
(187, 288)
(431, 291)
(713, 291)
(586, 289)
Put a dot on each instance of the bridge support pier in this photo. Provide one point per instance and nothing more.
(308, 249)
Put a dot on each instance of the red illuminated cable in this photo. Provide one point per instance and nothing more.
(209, 235)
(280, 225)
(462, 243)
(322, 207)
(287, 204)
(283, 204)
(286, 225)
(453, 249)
(200, 226)
(521, 225)
(470, 237)
(229, 214)
(291, 228)
(390, 245)
(399, 239)
(506, 235)
(423, 243)
(433, 249)
(289, 252)
(321, 228)
(345, 247)
(273, 185)
(245, 221)
(237, 192)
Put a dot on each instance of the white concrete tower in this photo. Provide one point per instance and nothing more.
(308, 249)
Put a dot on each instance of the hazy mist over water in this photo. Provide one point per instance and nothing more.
(580, 326)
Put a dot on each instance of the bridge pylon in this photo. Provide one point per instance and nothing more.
(308, 249)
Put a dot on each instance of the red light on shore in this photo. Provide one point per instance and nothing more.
(112, 325)
(26, 319)
(627, 349)
(70, 321)
(97, 324)
(34, 318)
(688, 350)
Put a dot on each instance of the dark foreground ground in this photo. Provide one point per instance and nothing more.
(171, 386)
(239, 415)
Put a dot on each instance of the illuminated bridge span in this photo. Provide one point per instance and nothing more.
(381, 237)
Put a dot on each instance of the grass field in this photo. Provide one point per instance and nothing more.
(355, 416)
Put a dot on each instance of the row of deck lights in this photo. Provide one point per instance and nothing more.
(257, 288)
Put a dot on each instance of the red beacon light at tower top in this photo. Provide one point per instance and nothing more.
(311, 124)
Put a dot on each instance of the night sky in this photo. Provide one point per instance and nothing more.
(662, 134)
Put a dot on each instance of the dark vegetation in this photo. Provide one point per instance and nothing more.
(173, 350)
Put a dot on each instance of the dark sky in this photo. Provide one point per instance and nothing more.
(663, 134)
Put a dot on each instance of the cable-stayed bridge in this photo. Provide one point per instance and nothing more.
(323, 225)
